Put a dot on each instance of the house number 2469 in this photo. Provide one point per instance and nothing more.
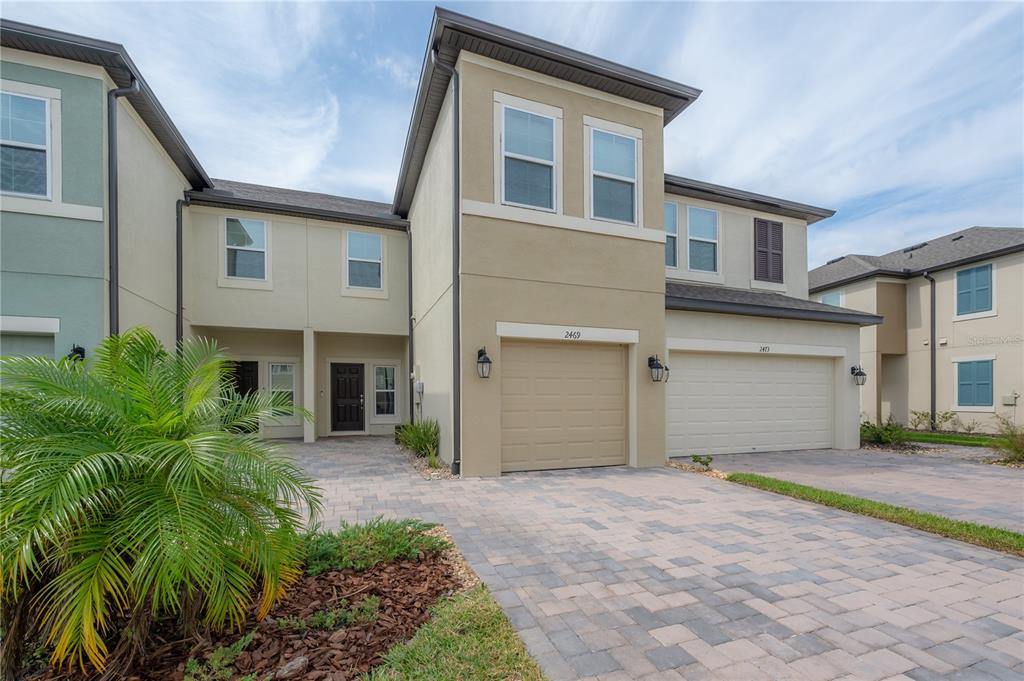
(573, 334)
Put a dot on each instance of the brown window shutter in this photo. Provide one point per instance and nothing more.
(768, 262)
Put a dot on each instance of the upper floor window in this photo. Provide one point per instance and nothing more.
(702, 233)
(671, 235)
(974, 290)
(832, 298)
(25, 145)
(767, 250)
(974, 383)
(246, 246)
(528, 159)
(364, 253)
(613, 176)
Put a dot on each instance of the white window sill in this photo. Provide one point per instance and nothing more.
(975, 315)
(976, 410)
(768, 285)
(385, 421)
(241, 282)
(44, 206)
(681, 274)
(542, 218)
(358, 292)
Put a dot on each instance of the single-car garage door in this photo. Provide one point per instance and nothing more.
(562, 405)
(721, 403)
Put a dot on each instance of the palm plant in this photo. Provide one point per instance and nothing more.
(133, 488)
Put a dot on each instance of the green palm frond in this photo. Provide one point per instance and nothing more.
(136, 484)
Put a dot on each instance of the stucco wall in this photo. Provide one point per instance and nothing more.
(306, 289)
(1000, 336)
(762, 331)
(430, 218)
(736, 249)
(52, 265)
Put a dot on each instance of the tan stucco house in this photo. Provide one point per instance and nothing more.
(953, 335)
(627, 314)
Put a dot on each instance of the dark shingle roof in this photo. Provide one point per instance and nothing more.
(951, 250)
(705, 298)
(295, 202)
(685, 186)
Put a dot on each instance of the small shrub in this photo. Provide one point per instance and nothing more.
(919, 420)
(432, 459)
(1010, 440)
(702, 461)
(398, 432)
(944, 419)
(218, 667)
(968, 427)
(364, 545)
(890, 433)
(419, 437)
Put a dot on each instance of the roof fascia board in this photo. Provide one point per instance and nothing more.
(201, 199)
(751, 310)
(743, 199)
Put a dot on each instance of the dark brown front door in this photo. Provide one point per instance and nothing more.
(347, 397)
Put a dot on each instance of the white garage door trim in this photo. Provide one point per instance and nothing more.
(754, 347)
(567, 333)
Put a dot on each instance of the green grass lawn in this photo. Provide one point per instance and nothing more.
(467, 637)
(951, 439)
(982, 535)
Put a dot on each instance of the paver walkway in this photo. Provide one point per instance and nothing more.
(948, 485)
(619, 573)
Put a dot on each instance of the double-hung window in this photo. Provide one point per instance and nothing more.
(246, 246)
(384, 391)
(974, 383)
(25, 153)
(364, 252)
(282, 382)
(974, 290)
(613, 176)
(528, 159)
(671, 235)
(702, 235)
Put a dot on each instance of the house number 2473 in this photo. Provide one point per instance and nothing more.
(766, 348)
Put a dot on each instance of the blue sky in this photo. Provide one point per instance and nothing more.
(907, 118)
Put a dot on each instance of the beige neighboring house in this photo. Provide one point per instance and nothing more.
(953, 335)
(539, 285)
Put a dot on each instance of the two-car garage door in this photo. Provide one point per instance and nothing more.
(722, 403)
(563, 405)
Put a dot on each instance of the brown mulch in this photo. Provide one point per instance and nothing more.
(406, 589)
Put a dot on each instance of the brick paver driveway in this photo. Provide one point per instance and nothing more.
(946, 483)
(619, 573)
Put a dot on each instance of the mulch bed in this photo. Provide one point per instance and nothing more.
(406, 589)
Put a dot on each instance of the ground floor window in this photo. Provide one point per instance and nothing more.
(384, 390)
(974, 383)
(282, 381)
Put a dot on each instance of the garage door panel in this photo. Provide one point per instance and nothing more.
(721, 403)
(563, 405)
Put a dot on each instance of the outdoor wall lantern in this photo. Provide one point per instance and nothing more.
(483, 363)
(859, 375)
(77, 353)
(657, 368)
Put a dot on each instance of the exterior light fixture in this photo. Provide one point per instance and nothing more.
(859, 375)
(657, 368)
(483, 363)
(77, 353)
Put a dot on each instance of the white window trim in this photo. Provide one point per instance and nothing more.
(364, 291)
(717, 242)
(386, 418)
(51, 101)
(504, 101)
(956, 383)
(591, 124)
(534, 218)
(675, 206)
(296, 396)
(975, 315)
(263, 384)
(225, 281)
